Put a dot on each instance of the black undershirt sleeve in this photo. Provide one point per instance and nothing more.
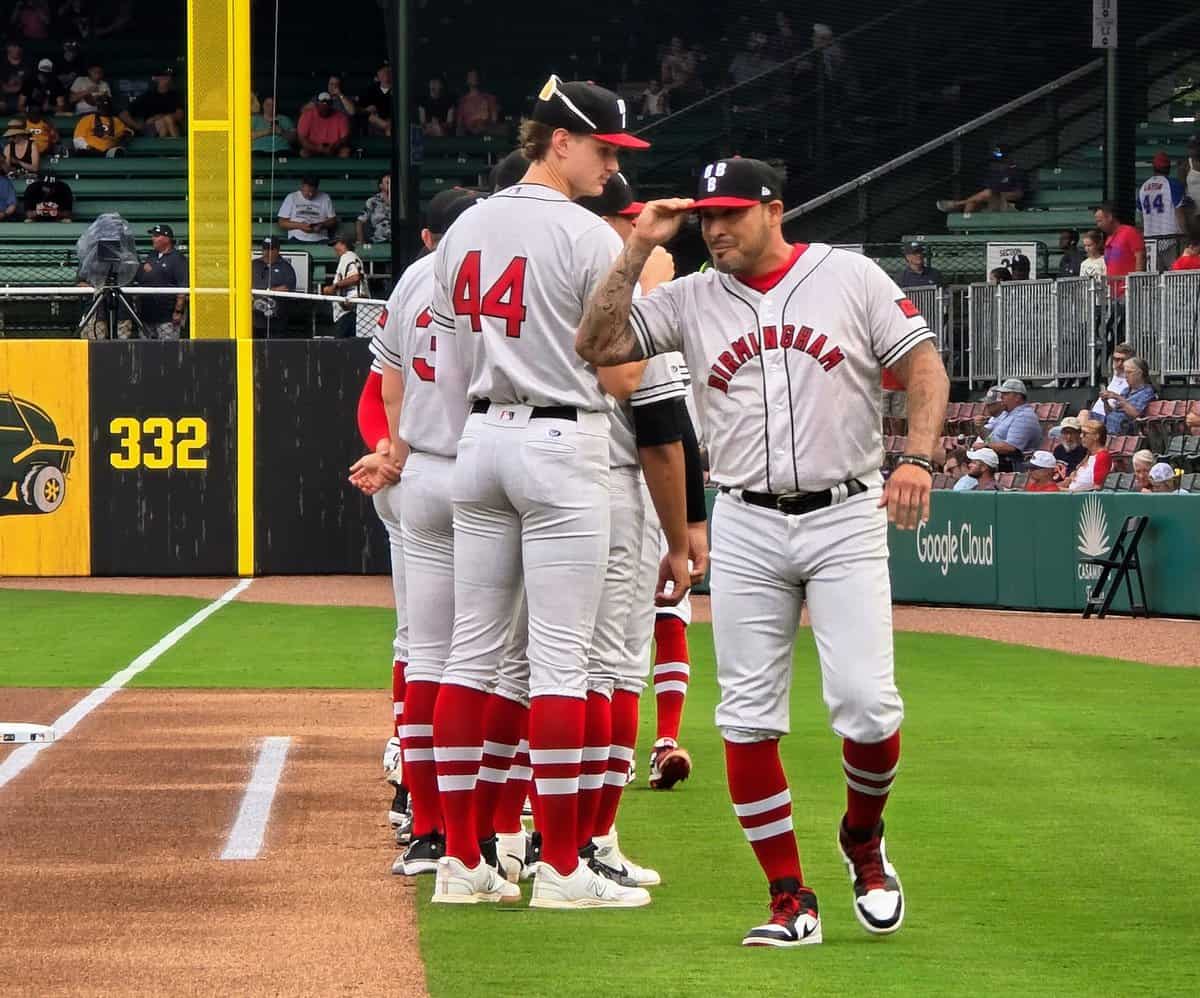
(659, 423)
(697, 508)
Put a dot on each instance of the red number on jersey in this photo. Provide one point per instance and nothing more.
(421, 367)
(503, 300)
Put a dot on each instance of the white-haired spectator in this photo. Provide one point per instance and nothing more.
(1130, 404)
(1116, 383)
(1042, 467)
(1143, 461)
(1164, 478)
(981, 472)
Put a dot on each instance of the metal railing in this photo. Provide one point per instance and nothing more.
(1162, 321)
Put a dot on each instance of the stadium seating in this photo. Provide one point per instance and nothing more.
(1122, 449)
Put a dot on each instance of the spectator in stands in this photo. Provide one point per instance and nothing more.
(679, 71)
(1160, 200)
(1017, 431)
(374, 225)
(271, 272)
(42, 131)
(163, 267)
(324, 129)
(1020, 267)
(1042, 466)
(48, 199)
(998, 275)
(1072, 256)
(1124, 248)
(31, 19)
(436, 110)
(347, 283)
(1130, 403)
(956, 464)
(102, 133)
(159, 111)
(42, 91)
(477, 112)
(991, 411)
(1093, 262)
(14, 70)
(1069, 450)
(341, 100)
(1003, 186)
(829, 67)
(20, 151)
(76, 15)
(751, 60)
(1164, 478)
(307, 214)
(655, 100)
(8, 198)
(271, 131)
(1090, 473)
(917, 272)
(376, 102)
(981, 472)
(1189, 259)
(1192, 423)
(1116, 383)
(87, 90)
(1143, 461)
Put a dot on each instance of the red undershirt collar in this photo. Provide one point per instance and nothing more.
(765, 282)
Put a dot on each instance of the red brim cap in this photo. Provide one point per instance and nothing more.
(633, 210)
(725, 202)
(623, 140)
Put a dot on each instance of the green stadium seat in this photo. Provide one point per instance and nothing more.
(1073, 197)
(1021, 221)
(1063, 177)
(143, 146)
(295, 166)
(126, 166)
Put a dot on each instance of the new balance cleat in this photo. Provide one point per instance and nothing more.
(456, 883)
(583, 888)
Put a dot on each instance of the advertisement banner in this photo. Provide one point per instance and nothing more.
(44, 458)
(952, 557)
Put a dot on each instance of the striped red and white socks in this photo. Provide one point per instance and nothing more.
(457, 752)
(597, 739)
(501, 737)
(671, 673)
(506, 817)
(420, 773)
(556, 726)
(398, 688)
(622, 739)
(870, 771)
(763, 805)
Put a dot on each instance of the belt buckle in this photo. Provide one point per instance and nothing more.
(791, 503)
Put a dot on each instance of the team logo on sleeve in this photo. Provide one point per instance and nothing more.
(383, 316)
(908, 308)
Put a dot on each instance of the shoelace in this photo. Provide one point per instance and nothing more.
(868, 863)
(785, 908)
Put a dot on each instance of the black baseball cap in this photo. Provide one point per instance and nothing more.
(585, 109)
(162, 229)
(615, 199)
(271, 242)
(446, 206)
(913, 246)
(738, 183)
(508, 171)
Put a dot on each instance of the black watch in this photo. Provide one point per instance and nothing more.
(920, 462)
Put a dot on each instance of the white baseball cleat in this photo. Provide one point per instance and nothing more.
(511, 850)
(391, 760)
(610, 862)
(456, 883)
(584, 888)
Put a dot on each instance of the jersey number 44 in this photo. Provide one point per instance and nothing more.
(504, 300)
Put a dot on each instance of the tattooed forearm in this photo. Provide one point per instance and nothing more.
(605, 337)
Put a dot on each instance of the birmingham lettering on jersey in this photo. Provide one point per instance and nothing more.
(744, 348)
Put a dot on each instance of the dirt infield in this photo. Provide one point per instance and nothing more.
(1155, 641)
(110, 880)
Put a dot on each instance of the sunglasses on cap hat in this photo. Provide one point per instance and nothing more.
(738, 183)
(585, 109)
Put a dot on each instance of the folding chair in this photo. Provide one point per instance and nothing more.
(1123, 561)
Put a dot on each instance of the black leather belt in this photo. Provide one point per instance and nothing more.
(539, 411)
(796, 503)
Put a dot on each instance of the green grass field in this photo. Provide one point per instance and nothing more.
(1044, 821)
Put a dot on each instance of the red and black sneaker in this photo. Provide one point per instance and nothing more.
(794, 920)
(878, 895)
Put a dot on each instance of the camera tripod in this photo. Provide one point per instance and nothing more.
(110, 294)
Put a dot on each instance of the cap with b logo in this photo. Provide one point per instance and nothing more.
(738, 183)
(615, 199)
(585, 109)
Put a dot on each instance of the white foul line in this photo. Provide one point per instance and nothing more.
(246, 836)
(22, 758)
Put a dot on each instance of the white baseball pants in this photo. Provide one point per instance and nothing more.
(531, 502)
(428, 523)
(764, 565)
(389, 507)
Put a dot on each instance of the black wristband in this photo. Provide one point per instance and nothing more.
(920, 462)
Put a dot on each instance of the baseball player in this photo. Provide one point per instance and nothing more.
(791, 340)
(432, 395)
(531, 485)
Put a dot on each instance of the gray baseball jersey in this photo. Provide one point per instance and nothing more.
(512, 277)
(660, 381)
(435, 390)
(787, 378)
